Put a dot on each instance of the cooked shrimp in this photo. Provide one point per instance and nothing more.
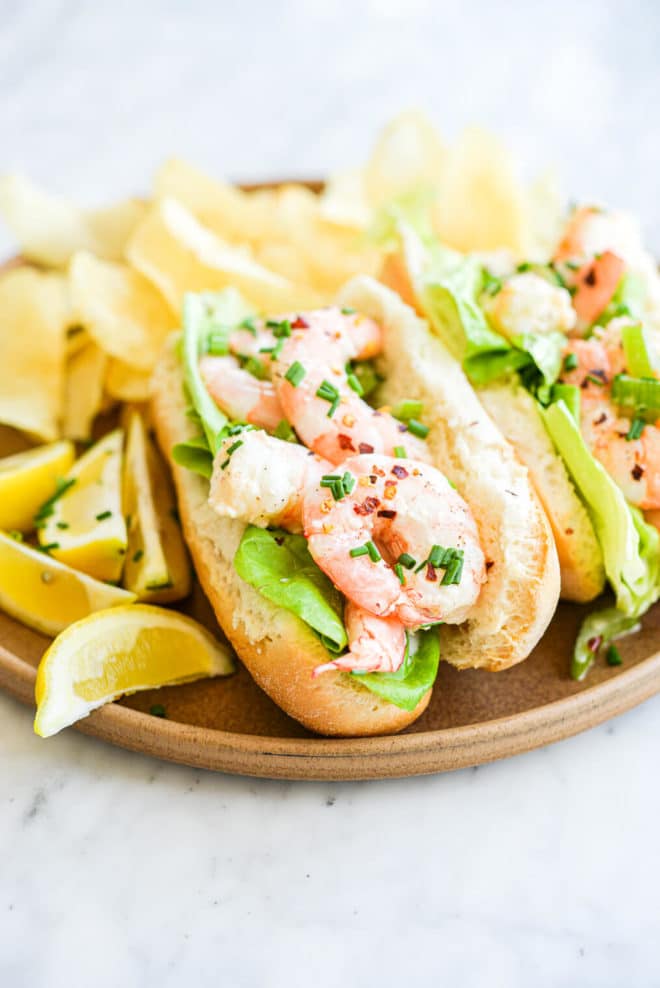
(376, 644)
(595, 284)
(261, 479)
(633, 463)
(398, 514)
(314, 390)
(527, 303)
(242, 396)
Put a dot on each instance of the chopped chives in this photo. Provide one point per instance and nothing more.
(613, 656)
(255, 367)
(157, 710)
(61, 487)
(62, 525)
(234, 447)
(281, 330)
(224, 464)
(418, 429)
(249, 325)
(328, 392)
(398, 569)
(636, 429)
(295, 373)
(346, 310)
(348, 482)
(374, 554)
(49, 547)
(284, 431)
(400, 452)
(436, 555)
(407, 560)
(570, 361)
(104, 515)
(360, 550)
(354, 383)
(137, 555)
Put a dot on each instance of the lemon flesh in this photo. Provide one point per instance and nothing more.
(47, 595)
(85, 528)
(157, 567)
(28, 479)
(119, 651)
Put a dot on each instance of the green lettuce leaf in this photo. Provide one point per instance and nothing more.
(207, 314)
(279, 566)
(449, 284)
(406, 687)
(631, 547)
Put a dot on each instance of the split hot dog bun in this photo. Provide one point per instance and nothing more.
(516, 603)
(278, 649)
(520, 596)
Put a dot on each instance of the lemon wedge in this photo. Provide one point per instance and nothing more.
(27, 479)
(46, 595)
(84, 525)
(157, 567)
(118, 651)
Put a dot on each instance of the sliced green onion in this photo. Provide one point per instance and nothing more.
(295, 373)
(636, 429)
(570, 361)
(418, 429)
(369, 379)
(255, 367)
(408, 409)
(249, 325)
(613, 656)
(436, 555)
(407, 560)
(348, 482)
(398, 569)
(374, 554)
(400, 452)
(354, 383)
(360, 550)
(328, 392)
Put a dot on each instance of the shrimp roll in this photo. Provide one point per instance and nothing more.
(352, 512)
(562, 352)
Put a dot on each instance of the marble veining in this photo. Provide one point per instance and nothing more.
(119, 870)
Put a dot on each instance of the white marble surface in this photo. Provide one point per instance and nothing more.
(118, 870)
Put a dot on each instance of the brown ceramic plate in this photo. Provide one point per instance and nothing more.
(474, 717)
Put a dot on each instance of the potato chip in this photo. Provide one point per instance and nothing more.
(83, 391)
(221, 207)
(408, 153)
(343, 201)
(121, 311)
(49, 229)
(124, 383)
(178, 255)
(481, 204)
(33, 311)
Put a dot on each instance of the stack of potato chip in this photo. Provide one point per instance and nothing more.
(83, 321)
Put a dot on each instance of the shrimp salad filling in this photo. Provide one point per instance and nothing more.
(348, 525)
(580, 330)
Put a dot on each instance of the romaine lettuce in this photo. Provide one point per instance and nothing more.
(406, 687)
(279, 566)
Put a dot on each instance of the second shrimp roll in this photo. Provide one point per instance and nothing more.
(563, 352)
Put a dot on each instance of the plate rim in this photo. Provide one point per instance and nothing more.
(347, 759)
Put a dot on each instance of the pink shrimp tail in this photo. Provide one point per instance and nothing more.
(376, 644)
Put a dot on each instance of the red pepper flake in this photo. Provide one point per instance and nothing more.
(594, 643)
(590, 276)
(569, 531)
(601, 418)
(373, 479)
(431, 573)
(378, 471)
(367, 507)
(279, 539)
(365, 448)
(387, 513)
(345, 442)
(637, 472)
(489, 564)
(399, 471)
(299, 323)
(390, 483)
